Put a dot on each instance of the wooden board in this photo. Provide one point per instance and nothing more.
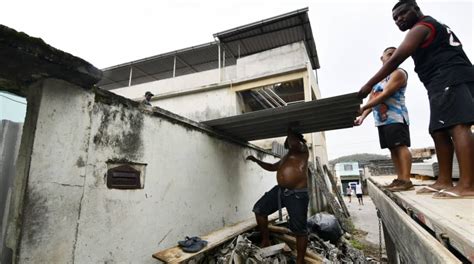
(412, 241)
(176, 255)
(451, 218)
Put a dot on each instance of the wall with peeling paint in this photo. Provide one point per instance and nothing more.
(195, 182)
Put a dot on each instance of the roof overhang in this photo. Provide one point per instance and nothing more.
(271, 33)
(238, 42)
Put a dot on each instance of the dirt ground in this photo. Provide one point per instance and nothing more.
(365, 220)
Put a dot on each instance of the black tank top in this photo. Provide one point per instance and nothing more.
(440, 61)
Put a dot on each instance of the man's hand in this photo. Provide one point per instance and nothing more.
(358, 121)
(364, 91)
(252, 158)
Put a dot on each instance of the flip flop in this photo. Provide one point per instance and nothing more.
(450, 195)
(195, 247)
(188, 241)
(427, 190)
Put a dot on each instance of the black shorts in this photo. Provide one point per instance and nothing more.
(452, 106)
(359, 195)
(296, 204)
(394, 135)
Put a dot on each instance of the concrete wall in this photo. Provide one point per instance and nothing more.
(10, 135)
(271, 61)
(203, 96)
(204, 105)
(194, 182)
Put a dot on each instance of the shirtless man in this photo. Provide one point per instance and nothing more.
(291, 192)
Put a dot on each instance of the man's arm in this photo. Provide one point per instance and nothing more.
(398, 79)
(265, 165)
(294, 143)
(364, 114)
(412, 41)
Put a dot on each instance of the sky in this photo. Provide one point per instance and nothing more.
(350, 37)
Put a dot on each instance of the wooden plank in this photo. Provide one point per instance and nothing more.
(273, 250)
(336, 191)
(291, 241)
(413, 242)
(447, 218)
(214, 239)
(335, 207)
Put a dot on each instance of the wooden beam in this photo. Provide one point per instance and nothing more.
(330, 198)
(413, 243)
(336, 191)
(214, 239)
(291, 241)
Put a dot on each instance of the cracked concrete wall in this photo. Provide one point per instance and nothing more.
(195, 183)
(10, 135)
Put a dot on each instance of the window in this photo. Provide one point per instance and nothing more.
(272, 96)
(347, 167)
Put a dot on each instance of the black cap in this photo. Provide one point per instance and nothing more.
(149, 93)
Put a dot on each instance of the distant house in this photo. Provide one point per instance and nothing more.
(347, 172)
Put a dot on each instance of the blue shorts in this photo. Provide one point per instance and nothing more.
(295, 201)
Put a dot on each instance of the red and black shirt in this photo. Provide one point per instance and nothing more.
(440, 60)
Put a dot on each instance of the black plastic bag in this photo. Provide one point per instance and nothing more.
(325, 226)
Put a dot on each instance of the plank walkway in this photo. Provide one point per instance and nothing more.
(450, 220)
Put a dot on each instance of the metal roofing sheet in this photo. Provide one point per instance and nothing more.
(320, 115)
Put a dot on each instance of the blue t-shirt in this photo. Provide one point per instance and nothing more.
(393, 109)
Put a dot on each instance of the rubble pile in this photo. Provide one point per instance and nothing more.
(243, 249)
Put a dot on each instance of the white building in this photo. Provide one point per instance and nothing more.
(266, 64)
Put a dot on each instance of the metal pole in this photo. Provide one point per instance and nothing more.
(219, 60)
(130, 77)
(174, 67)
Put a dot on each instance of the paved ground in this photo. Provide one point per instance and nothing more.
(365, 218)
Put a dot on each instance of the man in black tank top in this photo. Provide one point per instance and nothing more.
(448, 76)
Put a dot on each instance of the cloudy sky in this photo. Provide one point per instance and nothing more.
(350, 36)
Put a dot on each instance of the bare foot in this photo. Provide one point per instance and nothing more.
(441, 186)
(462, 191)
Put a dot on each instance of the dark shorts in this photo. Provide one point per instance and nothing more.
(452, 106)
(296, 204)
(394, 135)
(359, 195)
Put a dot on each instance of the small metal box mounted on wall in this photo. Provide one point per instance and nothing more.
(125, 176)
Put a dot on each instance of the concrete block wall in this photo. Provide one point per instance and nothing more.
(195, 182)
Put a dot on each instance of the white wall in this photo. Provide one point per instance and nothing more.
(340, 171)
(202, 106)
(202, 96)
(194, 182)
(271, 61)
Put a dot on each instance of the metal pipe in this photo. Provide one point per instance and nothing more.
(130, 77)
(219, 60)
(174, 66)
(264, 99)
(277, 96)
(270, 97)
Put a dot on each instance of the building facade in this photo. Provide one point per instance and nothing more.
(257, 66)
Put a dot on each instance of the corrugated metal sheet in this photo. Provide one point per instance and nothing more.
(242, 41)
(271, 33)
(320, 115)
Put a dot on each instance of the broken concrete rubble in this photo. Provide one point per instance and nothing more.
(244, 249)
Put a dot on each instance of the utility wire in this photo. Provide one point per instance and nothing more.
(12, 99)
